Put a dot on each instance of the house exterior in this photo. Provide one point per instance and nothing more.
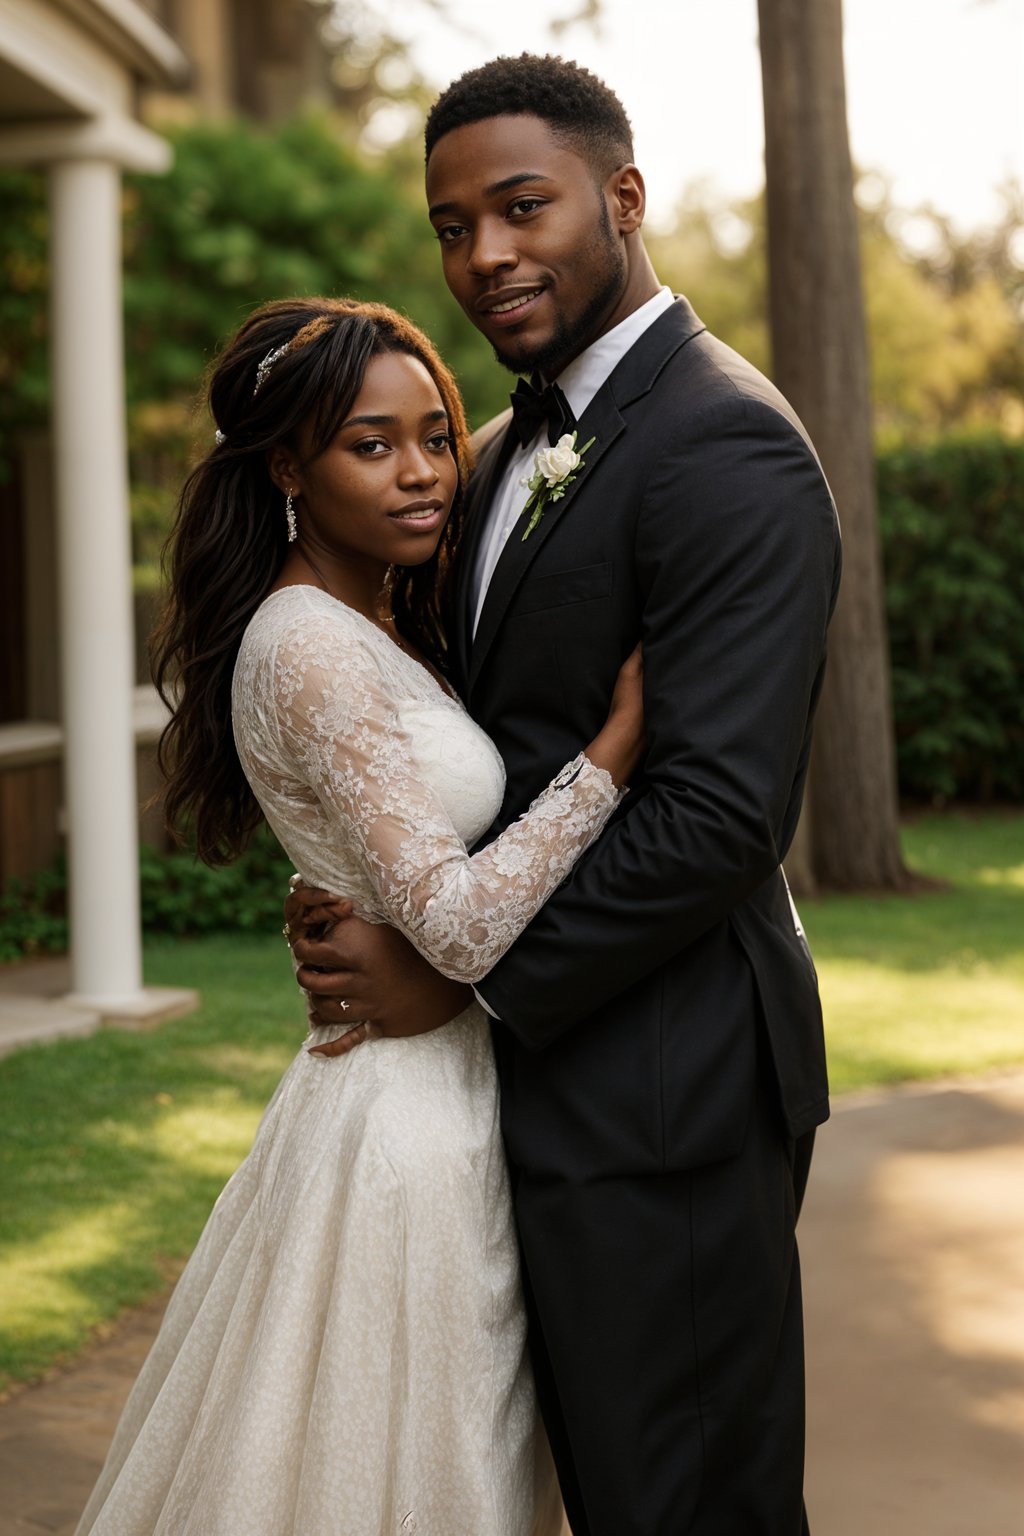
(81, 84)
(72, 74)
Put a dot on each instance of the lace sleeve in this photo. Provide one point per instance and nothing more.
(338, 726)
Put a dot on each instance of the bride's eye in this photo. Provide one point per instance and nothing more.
(440, 441)
(370, 446)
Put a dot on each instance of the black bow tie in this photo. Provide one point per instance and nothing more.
(534, 406)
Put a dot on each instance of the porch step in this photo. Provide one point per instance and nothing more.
(33, 1020)
(36, 1005)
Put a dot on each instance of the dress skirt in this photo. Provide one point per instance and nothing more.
(345, 1353)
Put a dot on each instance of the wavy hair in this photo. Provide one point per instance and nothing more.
(229, 538)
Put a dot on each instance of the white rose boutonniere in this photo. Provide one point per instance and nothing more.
(554, 470)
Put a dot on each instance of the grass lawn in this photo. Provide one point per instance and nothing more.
(113, 1149)
(926, 985)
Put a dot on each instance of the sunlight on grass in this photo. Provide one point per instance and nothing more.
(1008, 879)
(931, 984)
(209, 1138)
(41, 1299)
(113, 1149)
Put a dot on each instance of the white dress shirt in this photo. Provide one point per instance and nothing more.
(579, 382)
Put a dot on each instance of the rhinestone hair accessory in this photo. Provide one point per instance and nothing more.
(268, 363)
(220, 438)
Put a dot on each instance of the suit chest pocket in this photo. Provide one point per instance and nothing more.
(557, 589)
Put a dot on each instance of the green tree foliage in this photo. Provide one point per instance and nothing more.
(716, 253)
(179, 896)
(246, 214)
(24, 278)
(943, 309)
(952, 518)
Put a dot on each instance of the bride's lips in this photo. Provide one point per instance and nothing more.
(509, 306)
(419, 516)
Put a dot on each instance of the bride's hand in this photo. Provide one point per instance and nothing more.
(621, 741)
(365, 974)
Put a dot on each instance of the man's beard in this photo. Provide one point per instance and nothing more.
(567, 342)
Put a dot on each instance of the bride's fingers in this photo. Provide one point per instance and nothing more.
(298, 901)
(337, 911)
(323, 916)
(324, 954)
(310, 921)
(327, 986)
(340, 1047)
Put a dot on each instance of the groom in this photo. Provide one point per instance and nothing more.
(659, 1045)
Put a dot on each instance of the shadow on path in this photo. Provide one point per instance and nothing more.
(913, 1251)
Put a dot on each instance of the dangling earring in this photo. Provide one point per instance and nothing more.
(386, 597)
(289, 513)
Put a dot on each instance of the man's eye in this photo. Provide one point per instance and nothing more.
(449, 232)
(526, 204)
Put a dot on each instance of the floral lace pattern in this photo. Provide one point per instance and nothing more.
(349, 746)
(346, 1349)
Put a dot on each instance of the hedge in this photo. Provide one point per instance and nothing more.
(952, 520)
(179, 896)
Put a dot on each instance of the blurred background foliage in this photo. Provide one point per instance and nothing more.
(331, 201)
(944, 309)
(953, 538)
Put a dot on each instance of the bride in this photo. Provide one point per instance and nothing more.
(345, 1352)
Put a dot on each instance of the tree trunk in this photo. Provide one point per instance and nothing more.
(799, 865)
(819, 346)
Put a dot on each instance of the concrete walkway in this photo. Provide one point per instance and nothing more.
(37, 1005)
(913, 1252)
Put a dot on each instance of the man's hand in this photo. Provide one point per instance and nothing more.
(386, 983)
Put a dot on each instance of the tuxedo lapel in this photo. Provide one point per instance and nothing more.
(633, 377)
(600, 421)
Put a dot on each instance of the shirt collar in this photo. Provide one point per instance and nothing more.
(581, 379)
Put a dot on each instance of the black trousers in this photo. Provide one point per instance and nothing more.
(667, 1340)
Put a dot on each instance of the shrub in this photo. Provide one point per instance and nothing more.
(180, 896)
(33, 915)
(952, 519)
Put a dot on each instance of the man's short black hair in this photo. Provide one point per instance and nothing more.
(579, 107)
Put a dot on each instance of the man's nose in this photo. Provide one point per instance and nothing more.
(492, 248)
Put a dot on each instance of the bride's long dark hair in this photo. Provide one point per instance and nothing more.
(230, 538)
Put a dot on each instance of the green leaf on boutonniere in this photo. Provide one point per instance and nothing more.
(554, 470)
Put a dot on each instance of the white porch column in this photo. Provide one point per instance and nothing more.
(95, 580)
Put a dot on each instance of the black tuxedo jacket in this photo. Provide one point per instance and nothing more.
(703, 525)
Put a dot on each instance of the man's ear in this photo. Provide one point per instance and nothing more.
(625, 188)
(283, 469)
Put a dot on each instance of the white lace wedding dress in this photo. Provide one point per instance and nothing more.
(345, 1352)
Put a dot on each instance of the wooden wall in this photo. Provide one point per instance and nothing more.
(32, 812)
(31, 809)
